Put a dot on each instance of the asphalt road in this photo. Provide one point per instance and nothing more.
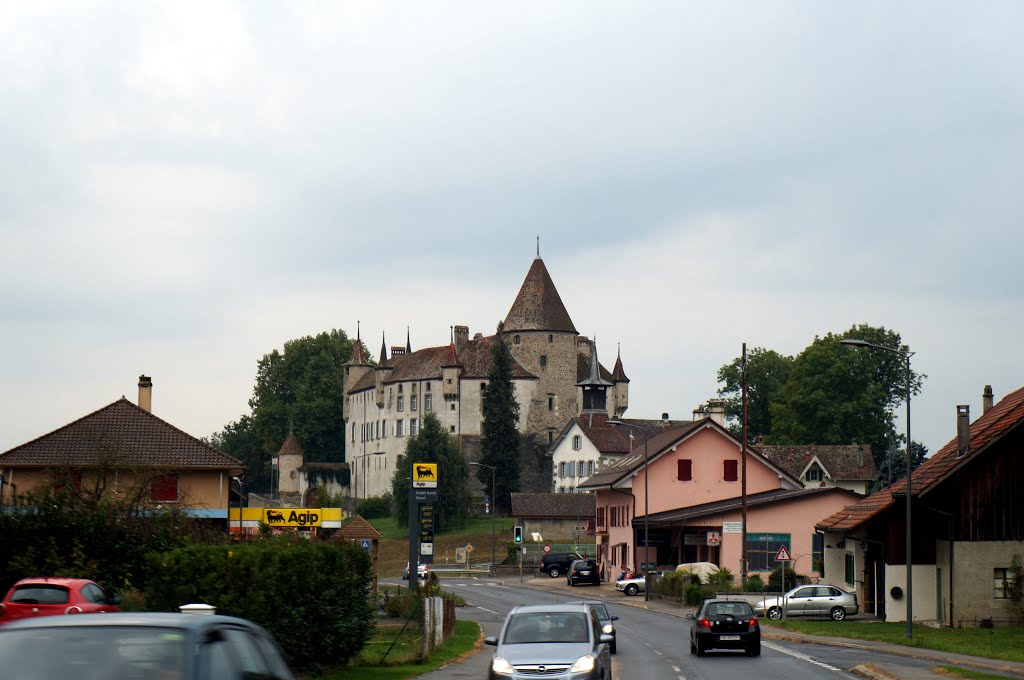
(654, 645)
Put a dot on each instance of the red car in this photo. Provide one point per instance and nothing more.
(46, 596)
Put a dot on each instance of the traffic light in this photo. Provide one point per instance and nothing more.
(518, 535)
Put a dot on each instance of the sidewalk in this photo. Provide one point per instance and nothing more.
(877, 671)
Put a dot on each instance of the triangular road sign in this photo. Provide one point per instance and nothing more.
(783, 555)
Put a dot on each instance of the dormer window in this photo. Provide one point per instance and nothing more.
(815, 474)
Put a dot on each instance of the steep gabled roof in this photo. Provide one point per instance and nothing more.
(1005, 416)
(538, 306)
(357, 528)
(121, 434)
(614, 439)
(854, 462)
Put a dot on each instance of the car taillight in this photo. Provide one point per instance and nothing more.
(753, 625)
(703, 623)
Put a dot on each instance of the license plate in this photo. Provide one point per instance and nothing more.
(585, 573)
(728, 637)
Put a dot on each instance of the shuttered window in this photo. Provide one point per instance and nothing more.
(731, 473)
(685, 470)
(164, 488)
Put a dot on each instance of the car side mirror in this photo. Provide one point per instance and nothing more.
(615, 618)
(607, 639)
(689, 616)
(491, 640)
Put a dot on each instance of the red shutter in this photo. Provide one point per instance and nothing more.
(685, 467)
(165, 488)
(731, 470)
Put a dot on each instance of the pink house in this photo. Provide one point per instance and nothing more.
(694, 506)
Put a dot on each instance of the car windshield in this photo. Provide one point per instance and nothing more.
(741, 609)
(546, 627)
(96, 651)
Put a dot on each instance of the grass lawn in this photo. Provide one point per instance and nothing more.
(992, 643)
(390, 530)
(957, 672)
(464, 640)
(394, 548)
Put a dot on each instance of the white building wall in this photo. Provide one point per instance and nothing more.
(565, 479)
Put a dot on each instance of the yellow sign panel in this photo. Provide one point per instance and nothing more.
(292, 517)
(424, 475)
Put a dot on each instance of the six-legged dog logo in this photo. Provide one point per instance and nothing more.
(274, 516)
(424, 472)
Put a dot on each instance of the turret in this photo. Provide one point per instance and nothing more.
(382, 373)
(595, 388)
(620, 393)
(353, 371)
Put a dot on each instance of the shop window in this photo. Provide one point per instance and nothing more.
(762, 549)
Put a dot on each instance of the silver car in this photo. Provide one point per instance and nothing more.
(637, 584)
(814, 600)
(556, 640)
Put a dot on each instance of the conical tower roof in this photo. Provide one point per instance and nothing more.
(382, 362)
(538, 306)
(358, 357)
(619, 375)
(594, 379)
(291, 445)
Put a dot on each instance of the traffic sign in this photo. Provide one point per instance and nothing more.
(426, 548)
(364, 544)
(547, 547)
(424, 476)
(783, 555)
(469, 547)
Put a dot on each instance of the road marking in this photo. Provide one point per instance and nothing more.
(802, 657)
(659, 652)
(676, 669)
(487, 610)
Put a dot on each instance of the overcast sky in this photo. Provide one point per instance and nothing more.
(185, 186)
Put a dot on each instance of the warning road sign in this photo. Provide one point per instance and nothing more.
(783, 555)
(424, 476)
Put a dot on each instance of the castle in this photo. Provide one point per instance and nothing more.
(552, 374)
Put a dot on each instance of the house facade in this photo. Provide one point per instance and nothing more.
(125, 450)
(683, 490)
(967, 524)
(384, 403)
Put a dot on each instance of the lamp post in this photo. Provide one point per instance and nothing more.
(491, 468)
(647, 535)
(241, 489)
(852, 342)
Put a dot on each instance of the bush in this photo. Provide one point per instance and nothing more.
(793, 579)
(754, 584)
(313, 596)
(722, 580)
(673, 584)
(695, 592)
(375, 507)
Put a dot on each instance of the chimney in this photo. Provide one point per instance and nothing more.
(664, 416)
(699, 413)
(716, 410)
(461, 338)
(963, 429)
(986, 399)
(146, 393)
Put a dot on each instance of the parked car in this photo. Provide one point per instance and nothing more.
(563, 640)
(812, 600)
(725, 624)
(421, 570)
(51, 596)
(583, 571)
(556, 564)
(637, 584)
(126, 646)
(604, 616)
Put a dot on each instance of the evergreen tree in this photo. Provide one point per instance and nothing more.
(500, 441)
(432, 444)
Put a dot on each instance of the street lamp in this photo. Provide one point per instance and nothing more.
(647, 535)
(241, 489)
(491, 468)
(906, 354)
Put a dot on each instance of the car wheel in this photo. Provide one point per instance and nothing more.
(700, 648)
(572, 584)
(632, 589)
(612, 648)
(755, 650)
(775, 613)
(554, 572)
(693, 648)
(838, 613)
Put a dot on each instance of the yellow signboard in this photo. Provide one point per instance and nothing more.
(424, 475)
(252, 518)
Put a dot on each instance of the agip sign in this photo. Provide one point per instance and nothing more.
(292, 517)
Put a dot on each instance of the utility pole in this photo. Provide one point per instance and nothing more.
(743, 485)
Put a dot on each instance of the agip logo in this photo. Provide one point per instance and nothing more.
(424, 475)
(292, 517)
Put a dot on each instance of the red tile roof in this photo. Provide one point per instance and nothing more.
(615, 438)
(290, 446)
(118, 434)
(538, 306)
(989, 428)
(853, 462)
(553, 505)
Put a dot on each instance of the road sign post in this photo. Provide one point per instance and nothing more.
(783, 556)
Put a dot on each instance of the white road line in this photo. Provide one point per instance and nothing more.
(676, 669)
(659, 652)
(487, 610)
(802, 657)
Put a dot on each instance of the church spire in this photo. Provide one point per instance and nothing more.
(408, 344)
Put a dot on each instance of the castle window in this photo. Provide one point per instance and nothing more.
(399, 389)
(428, 401)
(413, 423)
(551, 436)
(384, 429)
(551, 338)
(543, 360)
(452, 407)
(412, 402)
(401, 400)
(428, 387)
(399, 428)
(577, 442)
(551, 402)
(452, 429)
(353, 433)
(517, 339)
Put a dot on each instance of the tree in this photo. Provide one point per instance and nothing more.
(299, 388)
(500, 440)
(840, 395)
(767, 371)
(432, 444)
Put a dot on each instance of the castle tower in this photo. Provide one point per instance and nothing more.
(382, 373)
(594, 387)
(353, 370)
(289, 461)
(620, 393)
(542, 338)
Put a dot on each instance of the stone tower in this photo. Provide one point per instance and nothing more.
(353, 370)
(542, 338)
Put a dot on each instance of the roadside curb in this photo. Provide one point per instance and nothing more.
(868, 671)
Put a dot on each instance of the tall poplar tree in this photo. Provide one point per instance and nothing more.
(500, 442)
